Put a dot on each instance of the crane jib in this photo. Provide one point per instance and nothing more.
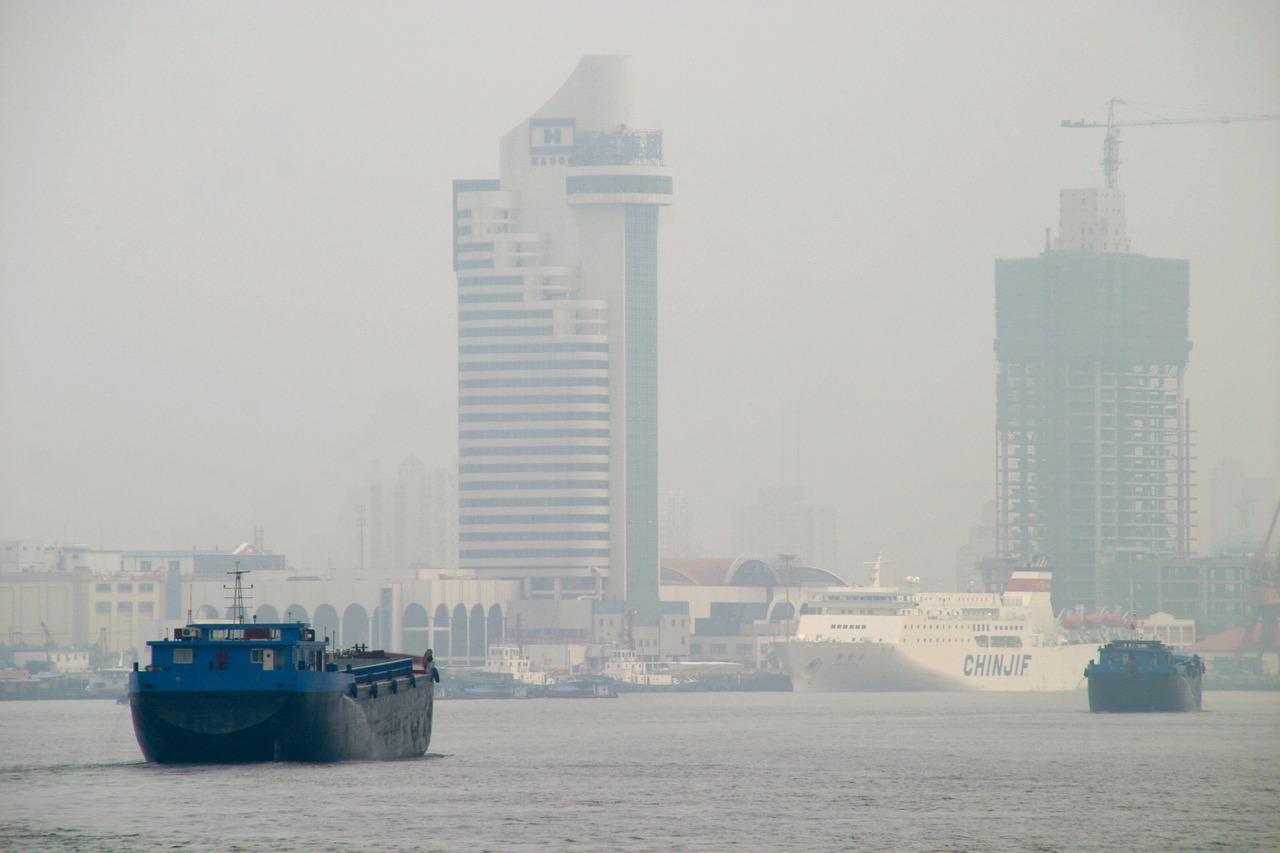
(1111, 143)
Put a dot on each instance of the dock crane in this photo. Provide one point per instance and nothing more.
(1111, 142)
(1263, 594)
(48, 643)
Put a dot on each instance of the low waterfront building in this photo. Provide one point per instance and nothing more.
(602, 623)
(27, 555)
(739, 606)
(1240, 656)
(1211, 590)
(60, 660)
(455, 613)
(41, 606)
(1169, 629)
(75, 595)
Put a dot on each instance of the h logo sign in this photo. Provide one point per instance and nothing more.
(551, 136)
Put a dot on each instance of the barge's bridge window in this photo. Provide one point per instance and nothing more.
(253, 632)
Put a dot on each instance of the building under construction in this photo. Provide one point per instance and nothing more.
(1093, 426)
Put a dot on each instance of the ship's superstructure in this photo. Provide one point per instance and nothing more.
(888, 638)
(629, 672)
(511, 662)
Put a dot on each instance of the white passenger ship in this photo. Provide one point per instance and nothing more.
(882, 638)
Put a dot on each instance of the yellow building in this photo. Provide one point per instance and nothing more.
(120, 605)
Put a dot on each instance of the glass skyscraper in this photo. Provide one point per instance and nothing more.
(556, 262)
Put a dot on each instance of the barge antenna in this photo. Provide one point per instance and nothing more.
(237, 593)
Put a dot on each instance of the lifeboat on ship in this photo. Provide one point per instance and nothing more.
(1114, 619)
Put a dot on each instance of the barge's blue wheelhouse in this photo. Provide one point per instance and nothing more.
(229, 692)
(1143, 675)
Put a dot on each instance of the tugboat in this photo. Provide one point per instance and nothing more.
(626, 672)
(510, 662)
(237, 692)
(1143, 675)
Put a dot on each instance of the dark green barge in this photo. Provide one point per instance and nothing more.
(1143, 675)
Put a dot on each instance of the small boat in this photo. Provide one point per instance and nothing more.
(1143, 675)
(581, 688)
(508, 661)
(627, 672)
(110, 682)
(490, 691)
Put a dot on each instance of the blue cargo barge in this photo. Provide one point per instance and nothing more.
(236, 692)
(1143, 675)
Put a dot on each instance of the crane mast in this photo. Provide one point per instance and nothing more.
(1263, 595)
(1111, 142)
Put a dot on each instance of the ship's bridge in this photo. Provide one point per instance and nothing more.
(859, 601)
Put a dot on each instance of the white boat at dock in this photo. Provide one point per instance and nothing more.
(510, 661)
(630, 672)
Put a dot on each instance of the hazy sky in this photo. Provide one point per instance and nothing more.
(225, 285)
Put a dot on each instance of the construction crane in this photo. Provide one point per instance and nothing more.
(1111, 142)
(48, 642)
(1263, 594)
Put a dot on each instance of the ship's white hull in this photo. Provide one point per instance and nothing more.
(836, 666)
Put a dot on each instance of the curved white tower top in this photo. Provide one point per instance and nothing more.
(557, 338)
(597, 94)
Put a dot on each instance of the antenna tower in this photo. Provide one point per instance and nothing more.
(237, 592)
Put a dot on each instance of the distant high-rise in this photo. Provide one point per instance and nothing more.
(413, 518)
(427, 531)
(1238, 507)
(674, 525)
(974, 558)
(556, 263)
(782, 522)
(1093, 440)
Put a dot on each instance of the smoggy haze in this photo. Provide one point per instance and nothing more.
(226, 296)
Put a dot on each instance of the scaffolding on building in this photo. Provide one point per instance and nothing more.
(1094, 440)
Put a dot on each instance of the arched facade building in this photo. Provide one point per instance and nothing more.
(459, 618)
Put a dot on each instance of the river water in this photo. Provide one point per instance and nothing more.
(710, 771)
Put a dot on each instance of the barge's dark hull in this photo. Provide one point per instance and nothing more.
(240, 726)
(1143, 691)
